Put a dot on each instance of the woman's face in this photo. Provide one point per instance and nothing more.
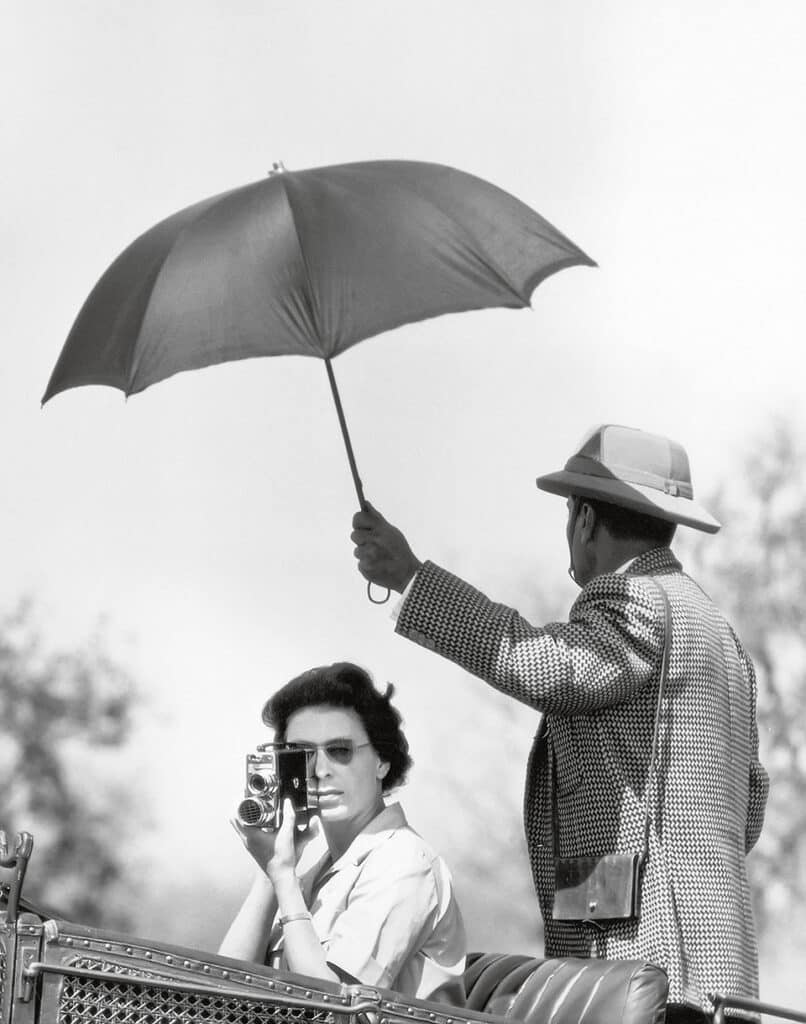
(349, 794)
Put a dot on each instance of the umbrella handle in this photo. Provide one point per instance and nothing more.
(359, 490)
(383, 600)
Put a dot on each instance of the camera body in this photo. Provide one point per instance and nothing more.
(275, 774)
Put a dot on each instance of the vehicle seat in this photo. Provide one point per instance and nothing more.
(566, 990)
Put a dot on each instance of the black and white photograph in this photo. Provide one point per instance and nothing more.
(404, 512)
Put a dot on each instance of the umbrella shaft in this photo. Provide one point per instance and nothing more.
(345, 434)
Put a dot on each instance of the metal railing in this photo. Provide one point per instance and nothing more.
(723, 1003)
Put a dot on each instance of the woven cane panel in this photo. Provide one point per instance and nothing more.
(87, 1001)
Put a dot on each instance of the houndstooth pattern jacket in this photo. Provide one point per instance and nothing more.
(596, 678)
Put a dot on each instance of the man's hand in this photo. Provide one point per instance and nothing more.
(383, 553)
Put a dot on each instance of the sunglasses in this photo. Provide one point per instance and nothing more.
(340, 751)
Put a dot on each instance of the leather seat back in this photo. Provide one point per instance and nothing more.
(566, 990)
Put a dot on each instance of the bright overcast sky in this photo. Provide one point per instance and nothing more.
(208, 517)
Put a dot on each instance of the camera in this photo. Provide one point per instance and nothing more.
(275, 774)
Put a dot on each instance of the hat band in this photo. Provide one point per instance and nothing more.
(586, 466)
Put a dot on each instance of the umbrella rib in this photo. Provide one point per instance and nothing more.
(575, 257)
(496, 271)
(134, 359)
(474, 247)
(580, 260)
(310, 294)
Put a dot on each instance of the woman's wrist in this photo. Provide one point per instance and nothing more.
(287, 890)
(262, 885)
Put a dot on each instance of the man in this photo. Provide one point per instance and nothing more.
(596, 679)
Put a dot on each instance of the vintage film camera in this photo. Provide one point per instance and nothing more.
(273, 774)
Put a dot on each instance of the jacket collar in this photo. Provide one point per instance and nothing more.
(654, 562)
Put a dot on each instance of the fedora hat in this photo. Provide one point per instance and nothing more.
(635, 470)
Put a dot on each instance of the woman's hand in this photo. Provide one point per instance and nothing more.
(277, 853)
(260, 842)
(284, 860)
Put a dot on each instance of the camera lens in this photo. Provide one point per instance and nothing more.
(251, 812)
(262, 784)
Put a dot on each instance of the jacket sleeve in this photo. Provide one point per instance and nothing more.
(608, 650)
(759, 780)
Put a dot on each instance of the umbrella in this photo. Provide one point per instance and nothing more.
(307, 263)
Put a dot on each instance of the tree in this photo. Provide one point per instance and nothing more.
(756, 571)
(61, 716)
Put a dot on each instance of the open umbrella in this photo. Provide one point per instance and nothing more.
(307, 263)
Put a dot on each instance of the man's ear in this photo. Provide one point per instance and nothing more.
(382, 770)
(587, 515)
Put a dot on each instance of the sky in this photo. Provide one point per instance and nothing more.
(206, 521)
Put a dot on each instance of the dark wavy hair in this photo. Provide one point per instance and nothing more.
(345, 685)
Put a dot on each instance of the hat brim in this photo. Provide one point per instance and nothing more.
(637, 497)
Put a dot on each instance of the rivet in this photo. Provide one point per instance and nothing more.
(188, 963)
(169, 959)
(247, 977)
(206, 969)
(148, 954)
(68, 942)
(225, 974)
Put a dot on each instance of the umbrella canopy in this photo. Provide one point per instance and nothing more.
(307, 263)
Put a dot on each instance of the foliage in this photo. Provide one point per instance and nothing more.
(756, 570)
(63, 715)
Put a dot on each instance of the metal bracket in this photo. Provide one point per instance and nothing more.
(23, 845)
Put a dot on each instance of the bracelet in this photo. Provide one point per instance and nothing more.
(305, 916)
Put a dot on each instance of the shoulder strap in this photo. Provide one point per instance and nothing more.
(664, 675)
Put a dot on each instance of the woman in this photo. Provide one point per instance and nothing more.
(357, 897)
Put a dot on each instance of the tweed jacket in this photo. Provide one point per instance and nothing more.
(595, 678)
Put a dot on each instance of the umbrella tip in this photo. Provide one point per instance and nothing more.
(277, 168)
